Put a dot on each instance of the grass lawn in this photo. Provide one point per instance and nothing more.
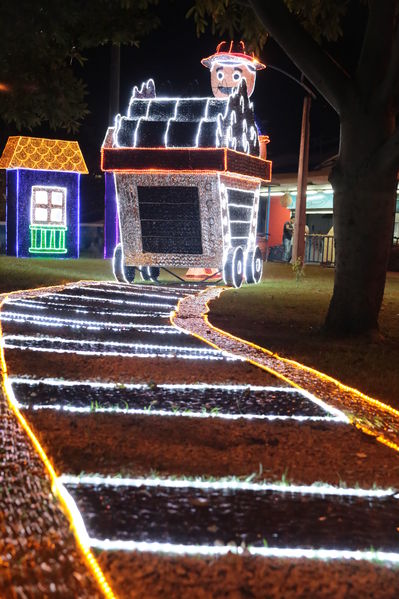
(27, 273)
(286, 316)
(280, 314)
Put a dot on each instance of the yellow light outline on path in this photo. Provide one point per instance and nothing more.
(355, 392)
(58, 488)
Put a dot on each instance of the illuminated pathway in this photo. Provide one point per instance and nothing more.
(114, 390)
(368, 414)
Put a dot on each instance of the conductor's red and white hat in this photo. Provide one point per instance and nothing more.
(231, 53)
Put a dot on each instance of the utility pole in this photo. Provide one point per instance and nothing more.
(298, 247)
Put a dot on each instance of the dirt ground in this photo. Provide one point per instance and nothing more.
(152, 576)
(299, 452)
(138, 445)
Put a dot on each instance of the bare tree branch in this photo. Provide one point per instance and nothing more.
(325, 74)
(377, 47)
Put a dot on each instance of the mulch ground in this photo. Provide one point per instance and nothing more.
(137, 445)
(127, 370)
(38, 552)
(145, 575)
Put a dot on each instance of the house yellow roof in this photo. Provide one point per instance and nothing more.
(43, 154)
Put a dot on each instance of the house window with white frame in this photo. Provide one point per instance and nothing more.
(48, 206)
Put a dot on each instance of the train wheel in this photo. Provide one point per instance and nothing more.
(117, 264)
(129, 272)
(150, 273)
(145, 275)
(254, 266)
(233, 269)
(154, 272)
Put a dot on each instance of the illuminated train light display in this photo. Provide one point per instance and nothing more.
(187, 174)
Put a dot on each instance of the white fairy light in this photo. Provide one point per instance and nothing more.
(133, 349)
(25, 303)
(134, 290)
(54, 321)
(222, 485)
(225, 485)
(250, 239)
(169, 386)
(325, 406)
(232, 205)
(164, 290)
(157, 354)
(172, 387)
(104, 300)
(83, 309)
(334, 414)
(175, 117)
(280, 552)
(186, 413)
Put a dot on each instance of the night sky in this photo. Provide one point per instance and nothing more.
(171, 56)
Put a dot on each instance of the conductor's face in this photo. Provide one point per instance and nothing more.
(224, 78)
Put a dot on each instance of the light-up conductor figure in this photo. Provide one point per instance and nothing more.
(228, 66)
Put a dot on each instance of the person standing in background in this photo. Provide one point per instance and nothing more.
(288, 232)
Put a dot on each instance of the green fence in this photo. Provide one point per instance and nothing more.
(47, 239)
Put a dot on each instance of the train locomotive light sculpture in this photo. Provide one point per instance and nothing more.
(187, 176)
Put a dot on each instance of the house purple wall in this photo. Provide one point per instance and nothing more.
(111, 219)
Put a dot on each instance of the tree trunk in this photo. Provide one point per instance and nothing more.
(364, 210)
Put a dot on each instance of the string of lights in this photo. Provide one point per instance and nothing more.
(59, 490)
(84, 309)
(150, 411)
(226, 484)
(104, 300)
(292, 372)
(131, 350)
(218, 550)
(53, 321)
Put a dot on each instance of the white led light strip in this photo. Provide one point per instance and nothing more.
(91, 298)
(281, 552)
(224, 485)
(147, 350)
(133, 291)
(186, 413)
(81, 308)
(158, 289)
(171, 386)
(338, 415)
(91, 324)
(232, 205)
(25, 303)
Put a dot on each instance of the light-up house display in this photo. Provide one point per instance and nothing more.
(43, 190)
(187, 175)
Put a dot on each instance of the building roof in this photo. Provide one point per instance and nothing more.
(39, 153)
